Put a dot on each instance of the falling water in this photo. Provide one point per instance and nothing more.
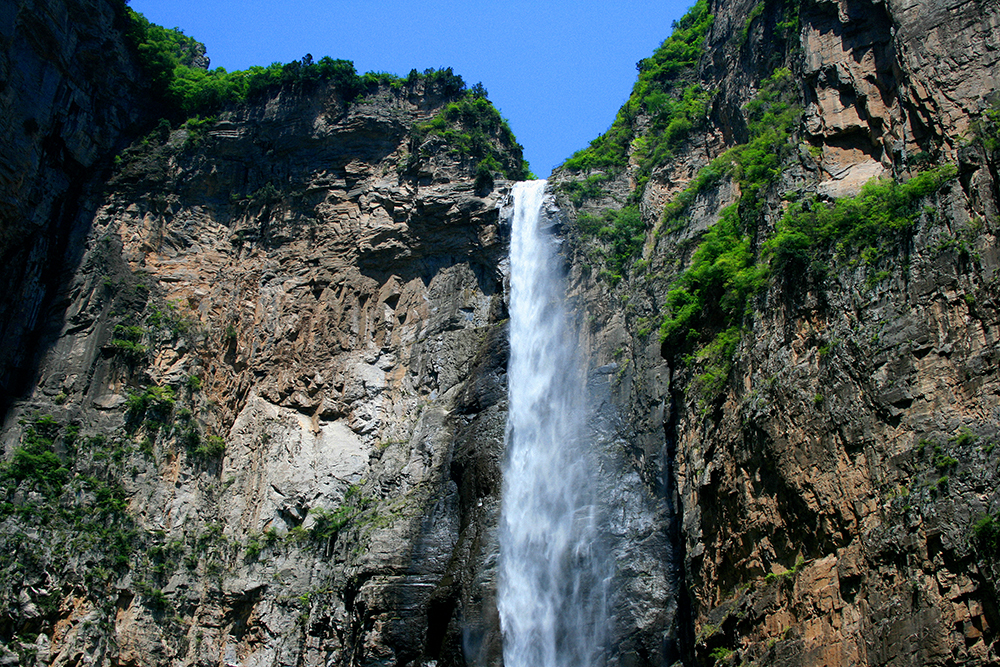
(553, 567)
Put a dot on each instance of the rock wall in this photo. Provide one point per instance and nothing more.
(278, 393)
(256, 413)
(70, 94)
(822, 505)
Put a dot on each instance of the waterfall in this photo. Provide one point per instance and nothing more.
(554, 567)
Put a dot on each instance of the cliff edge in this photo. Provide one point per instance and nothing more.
(794, 220)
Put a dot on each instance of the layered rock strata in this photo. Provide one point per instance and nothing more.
(827, 497)
(284, 354)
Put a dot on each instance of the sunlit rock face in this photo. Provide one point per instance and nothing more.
(319, 337)
(271, 353)
(832, 492)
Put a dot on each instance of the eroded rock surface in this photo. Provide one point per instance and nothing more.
(71, 94)
(271, 354)
(821, 506)
(292, 341)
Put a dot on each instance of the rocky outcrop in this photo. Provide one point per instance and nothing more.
(827, 493)
(283, 367)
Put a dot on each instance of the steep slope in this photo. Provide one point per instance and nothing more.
(71, 93)
(829, 423)
(267, 425)
(256, 364)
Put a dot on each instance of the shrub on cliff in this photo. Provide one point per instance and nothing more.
(714, 292)
(986, 129)
(172, 62)
(666, 92)
(986, 536)
(868, 223)
(473, 127)
(35, 460)
(126, 343)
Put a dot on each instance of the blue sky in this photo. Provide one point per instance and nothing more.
(558, 70)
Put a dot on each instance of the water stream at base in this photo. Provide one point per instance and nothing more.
(554, 567)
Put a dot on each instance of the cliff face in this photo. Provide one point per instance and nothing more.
(269, 427)
(70, 92)
(256, 366)
(835, 471)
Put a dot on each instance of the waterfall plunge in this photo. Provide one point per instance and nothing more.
(554, 568)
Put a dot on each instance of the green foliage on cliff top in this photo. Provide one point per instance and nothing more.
(671, 103)
(473, 127)
(666, 91)
(168, 57)
(470, 123)
(161, 50)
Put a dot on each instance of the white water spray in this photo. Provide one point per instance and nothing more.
(553, 565)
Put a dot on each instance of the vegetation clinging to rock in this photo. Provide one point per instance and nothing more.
(473, 127)
(666, 91)
(868, 222)
(713, 293)
(666, 104)
(171, 59)
(708, 302)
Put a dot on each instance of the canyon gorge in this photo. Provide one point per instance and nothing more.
(255, 361)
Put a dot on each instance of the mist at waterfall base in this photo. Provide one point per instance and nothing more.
(554, 565)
